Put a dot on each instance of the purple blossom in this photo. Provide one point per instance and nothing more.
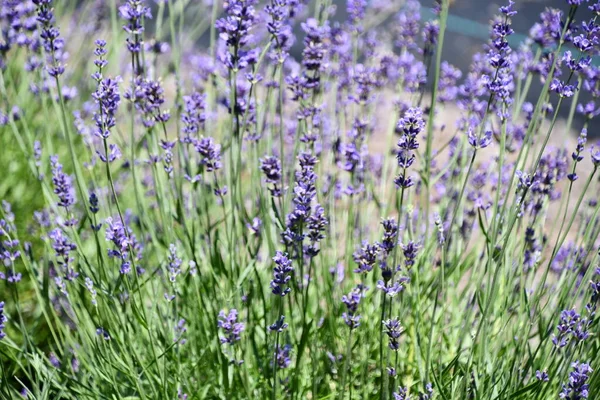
(114, 153)
(595, 155)
(282, 274)
(410, 251)
(401, 394)
(93, 200)
(194, 115)
(108, 98)
(542, 376)
(393, 330)
(210, 154)
(3, 320)
(278, 326)
(351, 301)
(63, 187)
(314, 54)
(235, 30)
(134, 12)
(547, 32)
(173, 263)
(366, 257)
(280, 29)
(390, 235)
(51, 40)
(124, 241)
(282, 356)
(62, 249)
(577, 388)
(231, 328)
(565, 329)
(271, 169)
(479, 142)
(148, 97)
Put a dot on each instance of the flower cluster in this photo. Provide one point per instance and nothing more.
(50, 35)
(235, 30)
(232, 329)
(577, 388)
(282, 274)
(271, 169)
(63, 187)
(134, 12)
(409, 127)
(393, 330)
(352, 301)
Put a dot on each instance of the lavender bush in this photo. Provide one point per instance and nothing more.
(313, 205)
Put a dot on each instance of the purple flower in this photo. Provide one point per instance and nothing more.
(589, 109)
(174, 263)
(89, 285)
(508, 10)
(314, 54)
(210, 154)
(481, 142)
(304, 193)
(562, 89)
(51, 40)
(63, 187)
(232, 329)
(282, 356)
(351, 301)
(100, 331)
(282, 274)
(114, 153)
(194, 116)
(316, 224)
(410, 251)
(595, 155)
(407, 25)
(390, 234)
(271, 168)
(547, 32)
(431, 31)
(542, 376)
(134, 12)
(356, 10)
(108, 98)
(282, 36)
(394, 288)
(123, 241)
(148, 97)
(366, 257)
(577, 155)
(235, 29)
(393, 330)
(54, 361)
(448, 88)
(401, 394)
(94, 207)
(410, 125)
(3, 320)
(577, 388)
(255, 226)
(568, 322)
(279, 325)
(62, 248)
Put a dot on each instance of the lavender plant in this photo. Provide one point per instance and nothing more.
(296, 199)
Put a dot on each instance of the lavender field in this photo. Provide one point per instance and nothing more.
(296, 199)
